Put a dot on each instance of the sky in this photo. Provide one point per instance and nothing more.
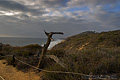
(29, 18)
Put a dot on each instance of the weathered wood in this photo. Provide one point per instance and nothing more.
(1, 45)
(13, 60)
(90, 77)
(56, 59)
(108, 77)
(44, 50)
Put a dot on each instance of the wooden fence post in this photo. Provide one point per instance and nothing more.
(90, 77)
(13, 60)
(108, 77)
(1, 45)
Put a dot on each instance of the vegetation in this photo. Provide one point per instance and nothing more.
(87, 52)
(99, 61)
(26, 53)
(86, 40)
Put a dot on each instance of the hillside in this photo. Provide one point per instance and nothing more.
(84, 53)
(90, 40)
(87, 52)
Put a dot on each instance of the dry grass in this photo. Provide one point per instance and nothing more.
(10, 73)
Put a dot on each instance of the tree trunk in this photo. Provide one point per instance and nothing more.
(44, 50)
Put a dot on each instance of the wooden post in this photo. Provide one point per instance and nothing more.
(90, 77)
(1, 45)
(108, 77)
(44, 50)
(13, 60)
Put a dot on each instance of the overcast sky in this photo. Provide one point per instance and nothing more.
(28, 18)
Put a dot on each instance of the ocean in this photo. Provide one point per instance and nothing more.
(27, 41)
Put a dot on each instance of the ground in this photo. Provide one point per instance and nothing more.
(11, 73)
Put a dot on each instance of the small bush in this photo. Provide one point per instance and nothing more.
(57, 52)
(98, 61)
(1, 57)
(9, 60)
(6, 49)
(33, 48)
(22, 67)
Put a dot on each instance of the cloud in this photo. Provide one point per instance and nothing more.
(107, 19)
(53, 3)
(90, 2)
(15, 6)
(28, 18)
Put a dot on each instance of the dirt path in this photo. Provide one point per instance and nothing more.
(11, 73)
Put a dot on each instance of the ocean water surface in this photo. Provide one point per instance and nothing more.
(27, 41)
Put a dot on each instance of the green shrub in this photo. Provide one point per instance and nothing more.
(6, 49)
(25, 54)
(35, 46)
(23, 67)
(57, 52)
(97, 60)
(1, 57)
(9, 60)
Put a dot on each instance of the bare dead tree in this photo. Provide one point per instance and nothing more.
(44, 50)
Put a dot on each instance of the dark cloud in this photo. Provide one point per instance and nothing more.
(12, 5)
(52, 15)
(53, 3)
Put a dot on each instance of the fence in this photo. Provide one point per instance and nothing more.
(84, 76)
(2, 78)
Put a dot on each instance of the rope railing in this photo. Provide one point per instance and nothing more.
(2, 78)
(48, 71)
(63, 72)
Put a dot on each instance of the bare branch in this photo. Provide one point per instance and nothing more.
(53, 33)
(44, 50)
(57, 33)
(46, 33)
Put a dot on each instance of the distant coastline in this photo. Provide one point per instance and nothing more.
(14, 41)
(17, 41)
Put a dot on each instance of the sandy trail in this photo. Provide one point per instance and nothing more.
(11, 73)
